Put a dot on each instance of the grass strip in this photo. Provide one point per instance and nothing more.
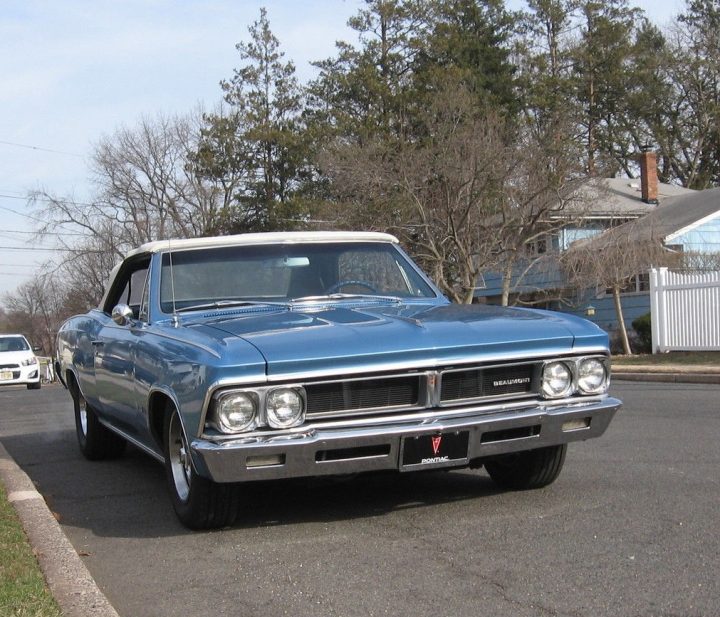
(23, 592)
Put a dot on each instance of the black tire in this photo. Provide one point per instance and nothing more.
(527, 470)
(95, 440)
(33, 386)
(198, 502)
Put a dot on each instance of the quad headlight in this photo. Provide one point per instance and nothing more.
(238, 411)
(284, 408)
(557, 380)
(592, 376)
(586, 376)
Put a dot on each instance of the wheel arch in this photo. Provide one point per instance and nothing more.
(158, 405)
(71, 381)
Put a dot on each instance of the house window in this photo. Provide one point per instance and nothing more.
(640, 283)
(538, 246)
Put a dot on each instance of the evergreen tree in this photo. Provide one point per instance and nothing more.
(260, 142)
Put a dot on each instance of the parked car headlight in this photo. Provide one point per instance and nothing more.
(285, 407)
(592, 376)
(557, 380)
(236, 411)
(29, 361)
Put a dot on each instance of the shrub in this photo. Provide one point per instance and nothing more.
(643, 327)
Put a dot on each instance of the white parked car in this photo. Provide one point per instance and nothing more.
(18, 364)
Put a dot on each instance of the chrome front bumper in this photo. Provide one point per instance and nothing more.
(328, 450)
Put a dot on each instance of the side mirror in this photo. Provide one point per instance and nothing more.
(122, 315)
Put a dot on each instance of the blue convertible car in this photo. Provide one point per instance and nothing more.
(268, 356)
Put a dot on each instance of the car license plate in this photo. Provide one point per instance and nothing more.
(437, 450)
(5, 375)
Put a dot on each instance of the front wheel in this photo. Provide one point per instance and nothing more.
(527, 470)
(199, 502)
(95, 440)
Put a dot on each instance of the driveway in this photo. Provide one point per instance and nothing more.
(629, 528)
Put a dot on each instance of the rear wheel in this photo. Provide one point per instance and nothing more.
(199, 502)
(527, 470)
(95, 440)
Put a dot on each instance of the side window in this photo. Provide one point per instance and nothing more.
(145, 299)
(129, 287)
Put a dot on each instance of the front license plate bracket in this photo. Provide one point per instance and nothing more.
(448, 449)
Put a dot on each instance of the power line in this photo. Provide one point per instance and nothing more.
(41, 149)
(20, 265)
(46, 233)
(29, 248)
(46, 200)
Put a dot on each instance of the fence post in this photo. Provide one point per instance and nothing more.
(658, 319)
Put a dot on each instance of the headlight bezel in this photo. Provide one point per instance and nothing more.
(263, 417)
(271, 416)
(604, 384)
(224, 398)
(569, 388)
(574, 365)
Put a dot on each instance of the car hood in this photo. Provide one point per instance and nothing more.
(337, 339)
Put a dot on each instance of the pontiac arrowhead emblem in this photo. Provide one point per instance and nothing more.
(436, 444)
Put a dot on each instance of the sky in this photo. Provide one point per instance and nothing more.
(74, 71)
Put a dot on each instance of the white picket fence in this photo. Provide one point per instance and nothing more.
(685, 311)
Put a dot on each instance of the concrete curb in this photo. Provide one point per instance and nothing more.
(702, 378)
(69, 580)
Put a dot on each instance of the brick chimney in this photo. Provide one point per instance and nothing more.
(648, 175)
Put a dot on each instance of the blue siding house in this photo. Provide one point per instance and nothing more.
(687, 221)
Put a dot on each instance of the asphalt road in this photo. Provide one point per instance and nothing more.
(629, 529)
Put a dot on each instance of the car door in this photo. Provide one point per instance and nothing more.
(115, 354)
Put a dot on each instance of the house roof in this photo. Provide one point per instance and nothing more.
(621, 197)
(682, 213)
(667, 221)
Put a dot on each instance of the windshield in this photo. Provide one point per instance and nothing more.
(13, 343)
(284, 272)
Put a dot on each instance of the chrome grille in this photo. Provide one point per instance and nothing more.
(391, 394)
(479, 383)
(380, 393)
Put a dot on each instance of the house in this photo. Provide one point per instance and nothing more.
(686, 221)
(687, 225)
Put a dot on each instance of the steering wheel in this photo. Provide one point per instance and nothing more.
(340, 284)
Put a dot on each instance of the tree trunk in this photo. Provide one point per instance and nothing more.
(506, 281)
(621, 321)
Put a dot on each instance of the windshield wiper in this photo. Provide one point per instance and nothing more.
(220, 304)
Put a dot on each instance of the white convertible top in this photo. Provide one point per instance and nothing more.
(277, 237)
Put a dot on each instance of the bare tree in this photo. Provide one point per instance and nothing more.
(36, 308)
(466, 198)
(612, 260)
(147, 187)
